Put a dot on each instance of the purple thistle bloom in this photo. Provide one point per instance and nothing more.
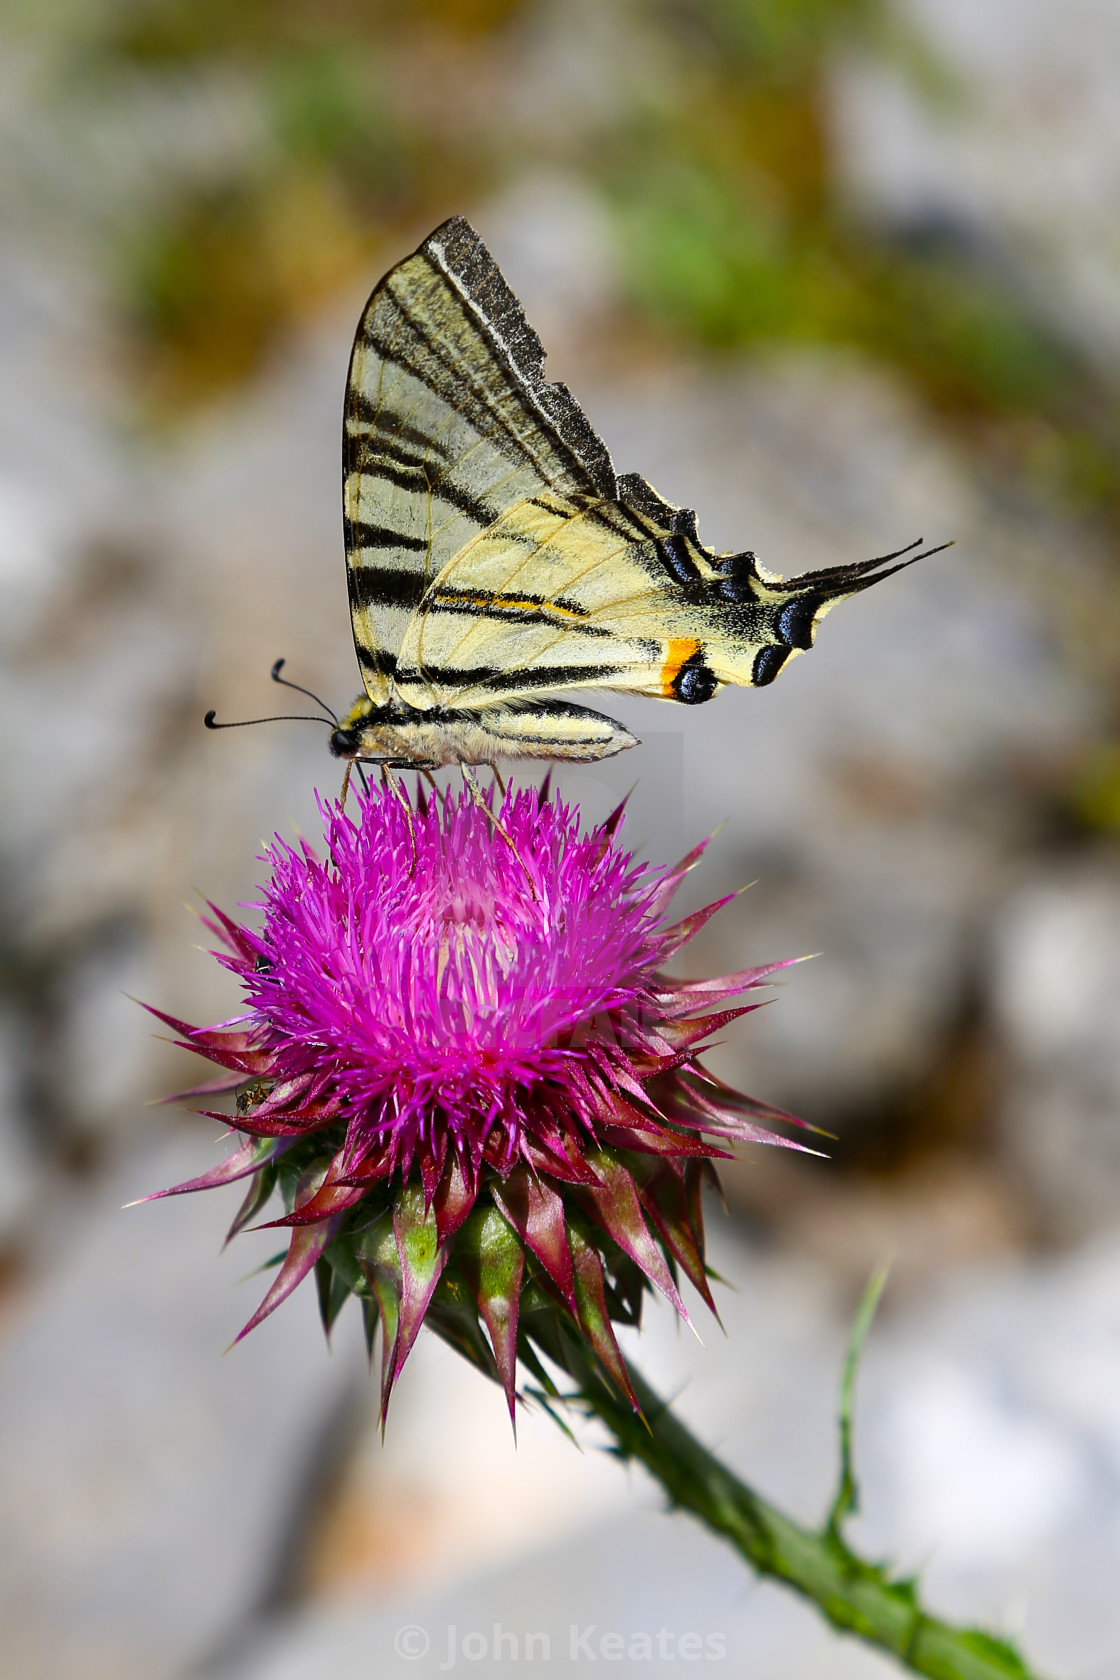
(477, 1090)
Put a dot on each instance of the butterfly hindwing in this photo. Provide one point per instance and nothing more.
(560, 592)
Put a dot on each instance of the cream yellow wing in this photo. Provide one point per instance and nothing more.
(447, 425)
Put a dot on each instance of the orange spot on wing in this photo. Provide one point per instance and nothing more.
(681, 649)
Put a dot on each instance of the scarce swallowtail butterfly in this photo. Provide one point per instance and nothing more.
(495, 559)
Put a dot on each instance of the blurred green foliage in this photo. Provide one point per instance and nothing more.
(213, 276)
(1095, 798)
(736, 233)
(716, 158)
(166, 31)
(211, 271)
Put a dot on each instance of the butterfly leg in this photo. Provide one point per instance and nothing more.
(345, 785)
(479, 798)
(421, 796)
(497, 775)
(390, 781)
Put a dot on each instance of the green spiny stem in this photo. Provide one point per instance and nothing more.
(855, 1596)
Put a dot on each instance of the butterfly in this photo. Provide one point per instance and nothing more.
(495, 558)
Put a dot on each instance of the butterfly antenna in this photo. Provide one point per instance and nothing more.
(395, 788)
(479, 798)
(285, 682)
(246, 723)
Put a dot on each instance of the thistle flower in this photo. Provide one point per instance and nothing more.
(479, 1094)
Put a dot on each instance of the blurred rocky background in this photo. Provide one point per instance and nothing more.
(838, 273)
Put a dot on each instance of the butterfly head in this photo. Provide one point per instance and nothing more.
(367, 731)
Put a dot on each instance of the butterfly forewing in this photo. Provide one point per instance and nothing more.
(447, 425)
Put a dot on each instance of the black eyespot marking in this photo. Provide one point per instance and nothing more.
(694, 682)
(768, 662)
(795, 622)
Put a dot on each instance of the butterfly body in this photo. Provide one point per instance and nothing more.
(404, 737)
(494, 557)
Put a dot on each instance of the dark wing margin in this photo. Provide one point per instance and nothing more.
(637, 494)
(457, 249)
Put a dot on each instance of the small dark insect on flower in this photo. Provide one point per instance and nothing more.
(479, 1094)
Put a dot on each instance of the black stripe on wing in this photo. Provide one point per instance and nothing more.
(372, 413)
(559, 613)
(366, 535)
(637, 494)
(672, 529)
(409, 472)
(458, 679)
(386, 586)
(378, 660)
(672, 551)
(448, 379)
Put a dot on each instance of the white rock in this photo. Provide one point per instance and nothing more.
(991, 1450)
(21, 1170)
(1055, 985)
(1020, 149)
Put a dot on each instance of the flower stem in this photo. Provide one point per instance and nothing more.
(855, 1596)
